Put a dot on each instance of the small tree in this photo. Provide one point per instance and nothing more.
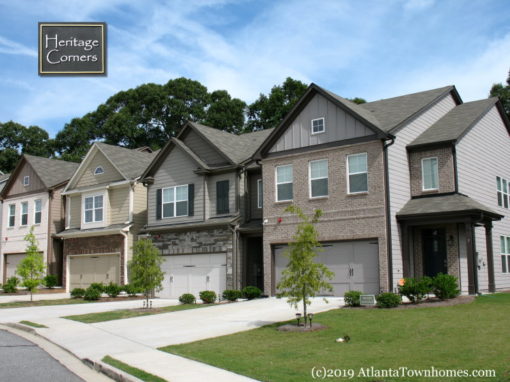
(304, 278)
(145, 268)
(31, 268)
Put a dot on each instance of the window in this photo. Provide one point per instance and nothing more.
(318, 174)
(37, 211)
(26, 180)
(503, 194)
(12, 215)
(505, 253)
(357, 173)
(284, 183)
(93, 209)
(24, 213)
(318, 126)
(98, 171)
(429, 174)
(175, 201)
(260, 195)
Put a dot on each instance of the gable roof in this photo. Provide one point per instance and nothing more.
(455, 124)
(131, 163)
(394, 112)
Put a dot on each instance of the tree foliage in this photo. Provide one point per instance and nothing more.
(31, 268)
(303, 277)
(503, 92)
(145, 268)
(358, 100)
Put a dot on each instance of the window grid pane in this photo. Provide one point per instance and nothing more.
(319, 169)
(502, 243)
(357, 163)
(260, 196)
(430, 175)
(285, 191)
(284, 174)
(181, 193)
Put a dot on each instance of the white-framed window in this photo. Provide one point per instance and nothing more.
(503, 194)
(24, 213)
(284, 179)
(357, 173)
(505, 253)
(318, 126)
(12, 215)
(26, 180)
(318, 176)
(37, 211)
(174, 201)
(260, 195)
(429, 174)
(99, 170)
(93, 209)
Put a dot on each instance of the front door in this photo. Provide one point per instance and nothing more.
(434, 251)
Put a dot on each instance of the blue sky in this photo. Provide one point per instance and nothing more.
(370, 49)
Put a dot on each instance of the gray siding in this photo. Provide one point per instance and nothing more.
(35, 182)
(255, 212)
(89, 179)
(211, 186)
(177, 169)
(203, 149)
(339, 126)
(477, 171)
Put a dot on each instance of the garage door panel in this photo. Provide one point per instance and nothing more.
(11, 262)
(85, 270)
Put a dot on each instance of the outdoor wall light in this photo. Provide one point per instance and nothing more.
(298, 317)
(310, 317)
(451, 241)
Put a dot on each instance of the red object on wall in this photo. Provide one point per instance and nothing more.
(280, 220)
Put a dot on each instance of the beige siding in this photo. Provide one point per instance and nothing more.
(203, 149)
(75, 213)
(139, 206)
(56, 217)
(211, 186)
(35, 182)
(339, 126)
(119, 204)
(110, 173)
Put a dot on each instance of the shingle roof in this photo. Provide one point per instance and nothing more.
(4, 177)
(441, 204)
(455, 123)
(391, 112)
(130, 162)
(51, 171)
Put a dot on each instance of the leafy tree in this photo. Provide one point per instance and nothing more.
(503, 92)
(31, 268)
(269, 110)
(145, 268)
(304, 278)
(225, 113)
(357, 100)
(73, 141)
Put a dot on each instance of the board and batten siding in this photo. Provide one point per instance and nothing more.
(211, 187)
(35, 184)
(75, 211)
(339, 125)
(203, 149)
(482, 155)
(110, 173)
(176, 170)
(398, 171)
(119, 204)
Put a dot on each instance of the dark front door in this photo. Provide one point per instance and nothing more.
(434, 251)
(254, 264)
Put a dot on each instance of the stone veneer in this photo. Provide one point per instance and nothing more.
(445, 166)
(345, 217)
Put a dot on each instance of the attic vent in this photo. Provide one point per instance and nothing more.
(98, 171)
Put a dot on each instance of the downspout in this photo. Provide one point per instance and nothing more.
(388, 212)
(235, 254)
(125, 234)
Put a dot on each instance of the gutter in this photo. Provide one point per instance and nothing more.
(388, 212)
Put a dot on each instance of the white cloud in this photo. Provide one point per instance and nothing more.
(11, 47)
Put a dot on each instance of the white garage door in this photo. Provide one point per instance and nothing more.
(85, 270)
(355, 264)
(193, 274)
(11, 263)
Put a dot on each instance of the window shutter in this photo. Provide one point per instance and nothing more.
(191, 199)
(159, 203)
(222, 197)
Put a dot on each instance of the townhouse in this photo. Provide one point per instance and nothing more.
(106, 207)
(32, 197)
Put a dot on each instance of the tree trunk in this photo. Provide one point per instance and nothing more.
(304, 305)
(31, 294)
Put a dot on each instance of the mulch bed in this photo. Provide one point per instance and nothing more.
(430, 302)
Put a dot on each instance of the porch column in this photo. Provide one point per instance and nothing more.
(490, 256)
(404, 229)
(470, 257)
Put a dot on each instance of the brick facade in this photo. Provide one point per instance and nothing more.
(446, 170)
(345, 217)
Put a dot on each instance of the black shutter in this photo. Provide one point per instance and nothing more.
(222, 197)
(191, 199)
(158, 203)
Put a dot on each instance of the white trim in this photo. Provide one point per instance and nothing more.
(9, 215)
(260, 193)
(310, 178)
(276, 182)
(504, 195)
(131, 203)
(355, 173)
(35, 210)
(68, 212)
(175, 201)
(27, 179)
(126, 247)
(94, 223)
(323, 126)
(68, 264)
(423, 175)
(96, 188)
(99, 168)
(21, 214)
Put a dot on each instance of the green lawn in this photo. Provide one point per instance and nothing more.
(120, 314)
(138, 373)
(33, 324)
(28, 303)
(469, 336)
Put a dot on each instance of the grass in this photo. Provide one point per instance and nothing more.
(470, 336)
(33, 324)
(120, 314)
(138, 373)
(63, 301)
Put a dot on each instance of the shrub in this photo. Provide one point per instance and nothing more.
(352, 298)
(187, 298)
(445, 286)
(98, 286)
(388, 300)
(415, 290)
(77, 292)
(112, 289)
(11, 286)
(131, 290)
(208, 296)
(251, 292)
(50, 281)
(231, 294)
(92, 294)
